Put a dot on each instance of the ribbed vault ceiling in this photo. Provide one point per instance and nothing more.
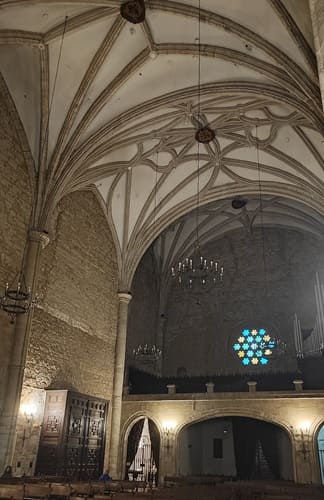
(118, 113)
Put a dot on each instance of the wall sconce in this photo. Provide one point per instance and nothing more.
(28, 410)
(303, 437)
(168, 428)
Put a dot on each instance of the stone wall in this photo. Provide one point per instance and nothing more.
(143, 308)
(299, 414)
(202, 326)
(15, 206)
(73, 334)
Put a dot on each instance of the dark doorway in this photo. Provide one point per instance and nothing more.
(237, 447)
(143, 452)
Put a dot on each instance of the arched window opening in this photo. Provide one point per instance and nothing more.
(143, 450)
(320, 444)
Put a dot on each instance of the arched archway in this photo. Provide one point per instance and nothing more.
(320, 450)
(143, 451)
(237, 447)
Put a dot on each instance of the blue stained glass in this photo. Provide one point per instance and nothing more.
(252, 348)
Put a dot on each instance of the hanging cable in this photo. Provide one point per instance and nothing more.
(261, 211)
(54, 86)
(199, 125)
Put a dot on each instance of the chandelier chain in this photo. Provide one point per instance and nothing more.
(261, 210)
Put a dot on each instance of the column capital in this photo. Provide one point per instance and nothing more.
(39, 237)
(125, 297)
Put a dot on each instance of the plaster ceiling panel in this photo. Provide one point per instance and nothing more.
(143, 123)
(118, 208)
(165, 74)
(177, 177)
(103, 187)
(296, 148)
(143, 184)
(268, 159)
(125, 153)
(170, 28)
(252, 175)
(259, 17)
(299, 11)
(39, 16)
(223, 142)
(71, 68)
(222, 179)
(128, 45)
(25, 89)
(186, 192)
(188, 232)
(316, 139)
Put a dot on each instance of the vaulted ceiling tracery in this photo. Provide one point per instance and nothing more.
(118, 113)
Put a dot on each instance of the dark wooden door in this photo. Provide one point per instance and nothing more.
(74, 449)
(74, 437)
(93, 450)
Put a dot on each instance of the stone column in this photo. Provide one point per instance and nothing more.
(252, 385)
(317, 15)
(298, 385)
(120, 352)
(15, 374)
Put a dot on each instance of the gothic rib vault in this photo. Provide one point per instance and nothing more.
(118, 113)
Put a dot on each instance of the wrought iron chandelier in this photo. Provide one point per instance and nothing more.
(17, 298)
(196, 269)
(150, 353)
(147, 353)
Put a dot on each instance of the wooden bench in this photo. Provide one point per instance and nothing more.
(81, 489)
(37, 490)
(12, 491)
(61, 490)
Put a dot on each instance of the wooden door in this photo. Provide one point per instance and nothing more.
(73, 436)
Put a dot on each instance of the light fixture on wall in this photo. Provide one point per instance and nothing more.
(303, 439)
(168, 431)
(28, 410)
(197, 269)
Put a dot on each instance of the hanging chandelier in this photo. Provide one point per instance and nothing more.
(197, 270)
(147, 353)
(17, 298)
